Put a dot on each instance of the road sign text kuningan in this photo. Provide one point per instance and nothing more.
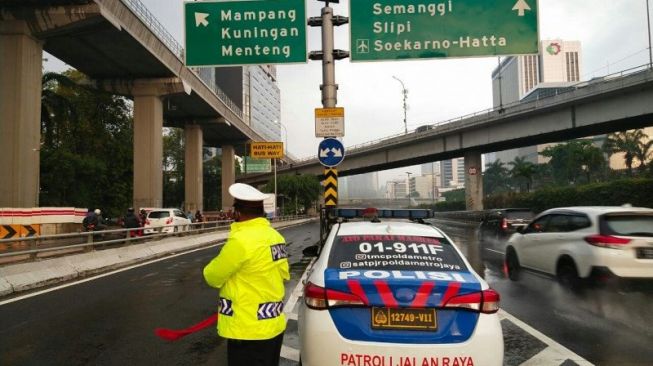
(245, 32)
(266, 150)
(416, 29)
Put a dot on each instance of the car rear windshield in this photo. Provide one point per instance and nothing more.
(524, 215)
(628, 225)
(159, 214)
(400, 252)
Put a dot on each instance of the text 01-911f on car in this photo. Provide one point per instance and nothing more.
(395, 292)
(578, 242)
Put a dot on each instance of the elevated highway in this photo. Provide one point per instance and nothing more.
(125, 50)
(616, 103)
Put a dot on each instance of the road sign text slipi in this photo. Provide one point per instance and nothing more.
(245, 32)
(416, 29)
(266, 150)
(329, 122)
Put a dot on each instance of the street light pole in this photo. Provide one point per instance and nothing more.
(405, 93)
(648, 23)
(408, 187)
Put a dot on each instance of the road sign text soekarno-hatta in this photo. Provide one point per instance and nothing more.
(266, 150)
(416, 29)
(220, 33)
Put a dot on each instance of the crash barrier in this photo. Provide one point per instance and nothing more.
(37, 247)
(469, 217)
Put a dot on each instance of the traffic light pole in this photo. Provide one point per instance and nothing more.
(329, 88)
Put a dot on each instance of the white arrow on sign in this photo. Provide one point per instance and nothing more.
(200, 19)
(325, 153)
(337, 153)
(521, 7)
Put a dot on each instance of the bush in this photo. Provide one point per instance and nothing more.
(636, 192)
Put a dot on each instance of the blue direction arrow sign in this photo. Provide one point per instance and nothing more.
(330, 152)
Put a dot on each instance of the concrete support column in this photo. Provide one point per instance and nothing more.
(228, 175)
(21, 56)
(194, 174)
(473, 181)
(148, 149)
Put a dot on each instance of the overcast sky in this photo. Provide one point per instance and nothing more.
(613, 36)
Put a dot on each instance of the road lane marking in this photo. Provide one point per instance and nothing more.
(556, 348)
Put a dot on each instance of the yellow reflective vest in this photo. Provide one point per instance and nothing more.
(249, 271)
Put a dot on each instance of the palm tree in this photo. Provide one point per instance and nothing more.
(495, 177)
(522, 170)
(644, 154)
(627, 142)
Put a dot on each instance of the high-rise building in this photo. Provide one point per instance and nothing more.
(558, 66)
(255, 90)
(452, 173)
(361, 186)
(396, 189)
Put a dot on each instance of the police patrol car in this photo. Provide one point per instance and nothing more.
(389, 292)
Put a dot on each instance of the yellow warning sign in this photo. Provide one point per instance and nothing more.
(266, 150)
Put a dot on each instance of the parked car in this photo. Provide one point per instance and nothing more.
(576, 243)
(165, 220)
(390, 292)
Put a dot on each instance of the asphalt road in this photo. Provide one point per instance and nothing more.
(609, 325)
(110, 320)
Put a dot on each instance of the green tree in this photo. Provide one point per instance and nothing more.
(86, 148)
(522, 172)
(495, 178)
(173, 167)
(301, 191)
(630, 143)
(575, 161)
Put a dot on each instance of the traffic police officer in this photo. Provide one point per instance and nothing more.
(249, 271)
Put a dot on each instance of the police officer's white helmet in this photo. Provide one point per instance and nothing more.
(97, 211)
(245, 192)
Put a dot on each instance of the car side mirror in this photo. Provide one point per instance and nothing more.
(312, 251)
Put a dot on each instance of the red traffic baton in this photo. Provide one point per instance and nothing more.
(173, 334)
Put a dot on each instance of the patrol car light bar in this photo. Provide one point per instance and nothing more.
(412, 214)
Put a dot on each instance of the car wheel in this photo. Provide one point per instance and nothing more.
(512, 265)
(567, 273)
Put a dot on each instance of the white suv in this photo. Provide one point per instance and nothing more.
(165, 220)
(391, 292)
(578, 242)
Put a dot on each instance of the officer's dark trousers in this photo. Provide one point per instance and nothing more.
(255, 353)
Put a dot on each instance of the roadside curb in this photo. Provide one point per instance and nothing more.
(17, 278)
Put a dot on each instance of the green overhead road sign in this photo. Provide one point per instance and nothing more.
(416, 29)
(245, 32)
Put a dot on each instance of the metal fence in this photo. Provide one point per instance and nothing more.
(33, 247)
(175, 47)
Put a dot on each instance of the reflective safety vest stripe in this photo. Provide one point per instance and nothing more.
(249, 271)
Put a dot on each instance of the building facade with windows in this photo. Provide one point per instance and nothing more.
(558, 66)
(255, 90)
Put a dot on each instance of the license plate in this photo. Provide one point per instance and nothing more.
(404, 319)
(645, 253)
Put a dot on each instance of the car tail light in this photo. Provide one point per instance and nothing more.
(607, 241)
(504, 224)
(486, 301)
(169, 221)
(319, 298)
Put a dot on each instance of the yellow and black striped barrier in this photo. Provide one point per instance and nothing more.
(330, 187)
